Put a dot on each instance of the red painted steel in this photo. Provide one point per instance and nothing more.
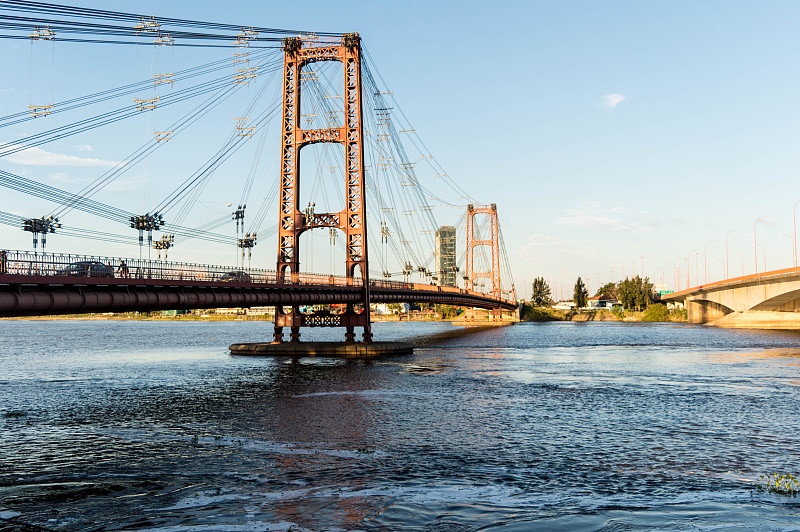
(300, 51)
(493, 242)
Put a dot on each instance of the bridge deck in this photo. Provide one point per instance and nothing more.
(735, 282)
(60, 284)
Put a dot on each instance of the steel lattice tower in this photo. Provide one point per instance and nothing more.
(493, 242)
(352, 220)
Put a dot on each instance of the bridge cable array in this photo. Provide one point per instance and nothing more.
(408, 190)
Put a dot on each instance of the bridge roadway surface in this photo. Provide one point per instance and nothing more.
(768, 299)
(37, 285)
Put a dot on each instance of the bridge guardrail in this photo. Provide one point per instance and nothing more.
(73, 265)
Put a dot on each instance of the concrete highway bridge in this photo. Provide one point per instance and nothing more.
(769, 300)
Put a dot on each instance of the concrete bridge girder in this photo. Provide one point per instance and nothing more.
(780, 295)
(766, 296)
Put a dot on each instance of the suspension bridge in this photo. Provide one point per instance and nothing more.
(201, 102)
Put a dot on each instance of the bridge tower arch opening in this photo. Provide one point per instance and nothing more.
(352, 221)
(494, 243)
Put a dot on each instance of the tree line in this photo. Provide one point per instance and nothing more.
(632, 293)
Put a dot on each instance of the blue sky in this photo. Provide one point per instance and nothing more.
(605, 131)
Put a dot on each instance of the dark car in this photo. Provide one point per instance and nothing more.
(236, 277)
(87, 269)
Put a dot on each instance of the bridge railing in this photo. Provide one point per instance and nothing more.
(73, 265)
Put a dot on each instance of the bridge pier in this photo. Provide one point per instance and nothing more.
(704, 311)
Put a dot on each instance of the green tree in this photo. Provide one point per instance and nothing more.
(636, 293)
(580, 294)
(608, 289)
(540, 293)
(447, 311)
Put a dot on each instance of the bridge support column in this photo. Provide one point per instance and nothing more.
(292, 222)
(495, 314)
(704, 311)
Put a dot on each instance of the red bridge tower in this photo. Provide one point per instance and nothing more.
(299, 51)
(493, 242)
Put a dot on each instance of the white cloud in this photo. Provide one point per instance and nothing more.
(39, 157)
(612, 100)
(582, 219)
(83, 147)
(593, 214)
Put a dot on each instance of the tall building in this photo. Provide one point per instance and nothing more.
(446, 256)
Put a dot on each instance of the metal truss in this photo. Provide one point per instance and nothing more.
(493, 242)
(298, 52)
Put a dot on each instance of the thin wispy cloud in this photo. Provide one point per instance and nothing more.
(592, 214)
(612, 100)
(39, 157)
(582, 219)
(83, 147)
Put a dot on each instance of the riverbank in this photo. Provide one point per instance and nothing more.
(654, 313)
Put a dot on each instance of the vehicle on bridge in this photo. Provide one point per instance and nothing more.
(87, 269)
(236, 277)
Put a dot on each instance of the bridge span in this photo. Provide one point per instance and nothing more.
(46, 284)
(769, 300)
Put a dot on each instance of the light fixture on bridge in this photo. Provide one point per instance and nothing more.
(40, 226)
(146, 222)
(248, 242)
(164, 243)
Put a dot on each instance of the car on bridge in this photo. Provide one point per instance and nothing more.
(236, 277)
(87, 268)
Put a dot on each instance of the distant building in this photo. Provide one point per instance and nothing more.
(446, 256)
(602, 301)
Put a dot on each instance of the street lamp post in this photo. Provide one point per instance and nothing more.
(705, 259)
(724, 266)
(741, 257)
(763, 256)
(727, 270)
(688, 277)
(755, 240)
(794, 226)
(688, 263)
(790, 238)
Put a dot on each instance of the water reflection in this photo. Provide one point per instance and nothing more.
(517, 428)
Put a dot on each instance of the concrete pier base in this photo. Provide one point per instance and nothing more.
(758, 320)
(465, 323)
(486, 318)
(324, 349)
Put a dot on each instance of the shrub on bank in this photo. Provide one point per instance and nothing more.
(657, 312)
(530, 313)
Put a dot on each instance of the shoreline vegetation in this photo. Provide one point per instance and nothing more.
(653, 313)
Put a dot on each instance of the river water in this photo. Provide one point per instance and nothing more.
(114, 425)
